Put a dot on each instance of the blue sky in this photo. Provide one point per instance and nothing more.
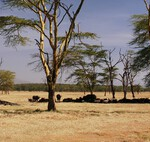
(109, 19)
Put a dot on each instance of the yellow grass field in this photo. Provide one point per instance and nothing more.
(73, 122)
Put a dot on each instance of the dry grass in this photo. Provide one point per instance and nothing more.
(73, 122)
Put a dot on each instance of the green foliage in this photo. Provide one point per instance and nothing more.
(30, 87)
(142, 59)
(6, 80)
(43, 87)
(80, 35)
(140, 30)
(20, 4)
(141, 41)
(107, 73)
(147, 80)
(84, 35)
(11, 28)
(86, 60)
(67, 88)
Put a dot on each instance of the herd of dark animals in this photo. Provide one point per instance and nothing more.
(90, 98)
(39, 99)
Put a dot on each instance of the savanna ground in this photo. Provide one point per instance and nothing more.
(73, 122)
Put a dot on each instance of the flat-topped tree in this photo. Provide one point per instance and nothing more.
(110, 71)
(50, 16)
(86, 61)
(6, 81)
(128, 74)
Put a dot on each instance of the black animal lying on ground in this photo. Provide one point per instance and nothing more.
(88, 98)
(37, 99)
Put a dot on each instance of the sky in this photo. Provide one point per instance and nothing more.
(109, 19)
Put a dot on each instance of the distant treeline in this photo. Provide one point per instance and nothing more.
(66, 88)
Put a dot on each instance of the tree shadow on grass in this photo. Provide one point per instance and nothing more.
(22, 111)
(8, 103)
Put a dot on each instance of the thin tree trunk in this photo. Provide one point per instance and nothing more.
(124, 89)
(132, 91)
(91, 91)
(105, 91)
(125, 92)
(112, 89)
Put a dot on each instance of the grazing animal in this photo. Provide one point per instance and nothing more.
(58, 96)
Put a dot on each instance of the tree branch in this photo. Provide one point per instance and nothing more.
(65, 43)
(47, 55)
(67, 12)
(1, 62)
(147, 5)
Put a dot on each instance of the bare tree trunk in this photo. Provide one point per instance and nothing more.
(125, 91)
(105, 90)
(138, 89)
(132, 90)
(125, 94)
(112, 89)
(91, 91)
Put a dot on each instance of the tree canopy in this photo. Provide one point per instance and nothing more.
(47, 20)
(6, 80)
(86, 62)
(142, 43)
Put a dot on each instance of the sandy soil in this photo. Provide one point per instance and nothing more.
(73, 122)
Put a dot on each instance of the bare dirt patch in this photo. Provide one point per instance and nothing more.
(73, 122)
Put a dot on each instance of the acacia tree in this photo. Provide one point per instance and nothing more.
(128, 75)
(50, 15)
(110, 72)
(86, 61)
(6, 81)
(132, 73)
(142, 43)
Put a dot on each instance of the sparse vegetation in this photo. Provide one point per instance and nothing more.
(74, 121)
(23, 118)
